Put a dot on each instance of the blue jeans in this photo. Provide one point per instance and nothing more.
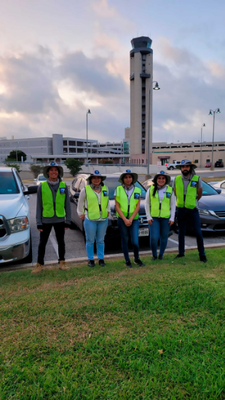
(95, 230)
(133, 230)
(159, 230)
(185, 215)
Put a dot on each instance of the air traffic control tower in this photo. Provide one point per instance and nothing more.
(141, 62)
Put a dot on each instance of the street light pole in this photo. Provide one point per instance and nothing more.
(88, 112)
(201, 147)
(213, 113)
(156, 87)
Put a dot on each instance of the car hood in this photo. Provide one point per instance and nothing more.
(214, 203)
(11, 204)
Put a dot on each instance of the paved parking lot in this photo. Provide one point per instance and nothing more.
(75, 245)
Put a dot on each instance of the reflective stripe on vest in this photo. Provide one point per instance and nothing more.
(191, 195)
(47, 200)
(160, 210)
(122, 199)
(93, 206)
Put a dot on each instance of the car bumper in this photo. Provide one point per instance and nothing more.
(15, 247)
(113, 232)
(212, 224)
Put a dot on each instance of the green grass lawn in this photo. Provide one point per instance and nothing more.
(113, 333)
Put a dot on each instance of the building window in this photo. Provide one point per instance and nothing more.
(72, 143)
(196, 161)
(72, 150)
(64, 150)
(64, 142)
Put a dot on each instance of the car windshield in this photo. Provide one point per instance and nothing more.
(112, 184)
(8, 183)
(42, 178)
(208, 190)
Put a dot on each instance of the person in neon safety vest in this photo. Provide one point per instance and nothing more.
(94, 208)
(127, 204)
(160, 205)
(53, 210)
(188, 190)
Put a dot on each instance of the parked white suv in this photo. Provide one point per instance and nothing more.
(15, 237)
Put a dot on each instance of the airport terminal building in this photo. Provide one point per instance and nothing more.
(60, 148)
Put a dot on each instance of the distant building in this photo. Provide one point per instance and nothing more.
(197, 153)
(60, 148)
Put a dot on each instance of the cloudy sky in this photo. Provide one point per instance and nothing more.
(59, 58)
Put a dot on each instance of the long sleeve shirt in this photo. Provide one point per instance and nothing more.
(82, 204)
(39, 209)
(161, 193)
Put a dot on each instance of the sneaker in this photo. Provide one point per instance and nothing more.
(154, 258)
(139, 263)
(63, 266)
(102, 263)
(91, 263)
(203, 259)
(128, 264)
(179, 256)
(37, 269)
(160, 257)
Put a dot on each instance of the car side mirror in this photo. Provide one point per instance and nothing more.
(218, 191)
(30, 190)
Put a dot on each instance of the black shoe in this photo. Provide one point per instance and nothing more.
(139, 263)
(203, 259)
(154, 258)
(128, 264)
(101, 263)
(160, 257)
(91, 263)
(179, 256)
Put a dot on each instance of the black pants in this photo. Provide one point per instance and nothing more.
(185, 215)
(44, 235)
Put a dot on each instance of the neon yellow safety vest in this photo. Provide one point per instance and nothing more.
(121, 197)
(47, 200)
(160, 210)
(191, 195)
(93, 206)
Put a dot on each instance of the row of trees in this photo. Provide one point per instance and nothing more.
(16, 155)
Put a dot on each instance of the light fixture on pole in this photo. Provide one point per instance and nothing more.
(155, 87)
(88, 112)
(213, 112)
(203, 125)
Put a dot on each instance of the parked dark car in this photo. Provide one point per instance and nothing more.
(219, 164)
(112, 181)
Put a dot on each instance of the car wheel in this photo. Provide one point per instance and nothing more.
(171, 168)
(29, 257)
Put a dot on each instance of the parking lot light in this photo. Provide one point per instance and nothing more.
(213, 112)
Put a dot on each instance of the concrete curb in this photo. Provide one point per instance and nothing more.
(83, 260)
